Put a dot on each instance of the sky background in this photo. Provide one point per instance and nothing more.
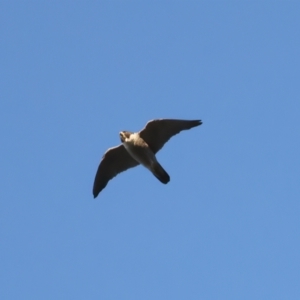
(75, 73)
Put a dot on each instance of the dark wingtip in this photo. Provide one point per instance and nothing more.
(196, 123)
(95, 193)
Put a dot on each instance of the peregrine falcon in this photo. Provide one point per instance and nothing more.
(140, 148)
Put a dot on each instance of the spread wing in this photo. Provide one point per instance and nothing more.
(114, 161)
(157, 132)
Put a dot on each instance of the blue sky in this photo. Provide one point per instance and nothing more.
(74, 74)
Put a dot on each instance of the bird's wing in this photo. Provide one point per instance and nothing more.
(114, 161)
(157, 132)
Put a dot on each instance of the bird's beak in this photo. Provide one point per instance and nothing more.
(121, 134)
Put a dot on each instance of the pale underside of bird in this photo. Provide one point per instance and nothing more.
(140, 148)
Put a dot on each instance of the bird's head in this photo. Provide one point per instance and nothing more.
(124, 136)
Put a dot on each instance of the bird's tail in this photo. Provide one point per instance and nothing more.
(159, 172)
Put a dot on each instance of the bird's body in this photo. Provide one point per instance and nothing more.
(140, 148)
(142, 153)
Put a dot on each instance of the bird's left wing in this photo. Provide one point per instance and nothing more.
(157, 132)
(114, 161)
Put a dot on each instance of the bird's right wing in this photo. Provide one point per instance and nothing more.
(114, 161)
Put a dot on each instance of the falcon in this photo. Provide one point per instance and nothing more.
(140, 148)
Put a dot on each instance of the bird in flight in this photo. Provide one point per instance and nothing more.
(139, 148)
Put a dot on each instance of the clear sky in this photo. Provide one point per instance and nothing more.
(75, 73)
